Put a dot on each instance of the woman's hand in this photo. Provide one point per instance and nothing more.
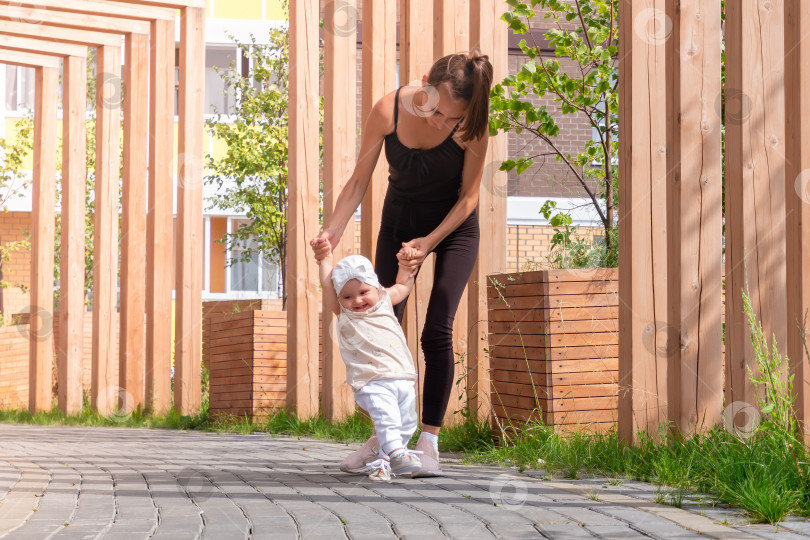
(413, 253)
(322, 246)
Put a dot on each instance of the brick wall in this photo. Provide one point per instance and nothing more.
(14, 226)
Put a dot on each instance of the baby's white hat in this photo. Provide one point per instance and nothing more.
(353, 267)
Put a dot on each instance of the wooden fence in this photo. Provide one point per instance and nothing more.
(50, 34)
(671, 110)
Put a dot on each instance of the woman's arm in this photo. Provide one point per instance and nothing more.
(474, 157)
(380, 122)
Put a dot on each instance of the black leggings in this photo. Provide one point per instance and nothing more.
(455, 258)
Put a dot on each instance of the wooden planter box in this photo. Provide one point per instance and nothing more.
(247, 362)
(554, 346)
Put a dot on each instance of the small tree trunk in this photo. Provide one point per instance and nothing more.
(609, 184)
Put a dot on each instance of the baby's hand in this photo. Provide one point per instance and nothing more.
(406, 254)
(322, 248)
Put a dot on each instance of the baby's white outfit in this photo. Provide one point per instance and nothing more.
(380, 370)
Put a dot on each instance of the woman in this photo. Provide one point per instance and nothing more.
(435, 139)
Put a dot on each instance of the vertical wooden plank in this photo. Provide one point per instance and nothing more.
(42, 239)
(488, 34)
(797, 203)
(451, 26)
(451, 32)
(694, 346)
(755, 185)
(71, 290)
(379, 59)
(189, 277)
(160, 219)
(340, 126)
(104, 387)
(302, 279)
(133, 224)
(643, 257)
(415, 60)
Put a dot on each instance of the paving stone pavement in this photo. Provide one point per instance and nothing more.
(117, 483)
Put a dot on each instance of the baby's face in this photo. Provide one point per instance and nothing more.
(358, 296)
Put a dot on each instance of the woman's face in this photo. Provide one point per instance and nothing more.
(358, 296)
(448, 111)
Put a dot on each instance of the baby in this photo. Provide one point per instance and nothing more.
(379, 365)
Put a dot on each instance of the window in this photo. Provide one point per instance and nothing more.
(258, 275)
(20, 83)
(219, 98)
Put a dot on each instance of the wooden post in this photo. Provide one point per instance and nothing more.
(755, 186)
(451, 33)
(379, 58)
(160, 219)
(74, 175)
(42, 239)
(415, 59)
(451, 26)
(694, 346)
(489, 34)
(302, 221)
(133, 224)
(189, 277)
(797, 199)
(104, 388)
(340, 126)
(643, 328)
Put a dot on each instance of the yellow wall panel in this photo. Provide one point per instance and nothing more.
(274, 11)
(238, 9)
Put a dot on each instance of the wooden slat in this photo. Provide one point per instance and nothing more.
(302, 279)
(131, 352)
(74, 175)
(188, 284)
(451, 27)
(29, 15)
(379, 59)
(42, 239)
(797, 190)
(98, 7)
(160, 218)
(104, 384)
(10, 56)
(488, 34)
(41, 46)
(643, 257)
(339, 140)
(58, 33)
(694, 209)
(755, 186)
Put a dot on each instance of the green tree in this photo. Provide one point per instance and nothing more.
(12, 184)
(251, 177)
(585, 32)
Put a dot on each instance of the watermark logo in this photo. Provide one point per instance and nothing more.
(495, 180)
(661, 339)
(344, 23)
(189, 171)
(508, 491)
(802, 186)
(40, 323)
(742, 419)
(194, 484)
(25, 12)
(421, 103)
(112, 91)
(653, 26)
(737, 106)
(115, 403)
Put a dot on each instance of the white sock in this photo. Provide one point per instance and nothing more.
(434, 439)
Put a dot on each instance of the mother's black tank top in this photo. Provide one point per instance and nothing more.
(423, 185)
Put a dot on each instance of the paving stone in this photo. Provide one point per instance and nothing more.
(139, 483)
